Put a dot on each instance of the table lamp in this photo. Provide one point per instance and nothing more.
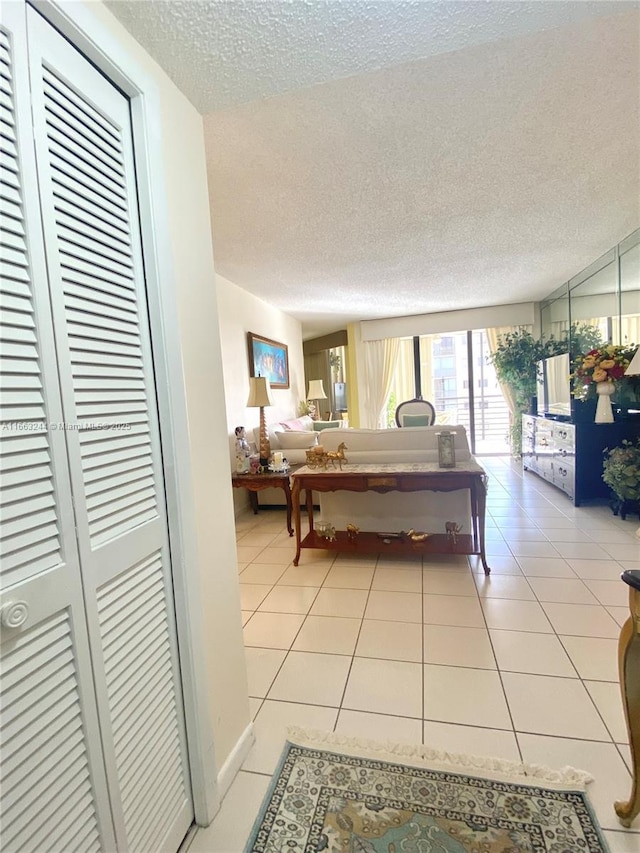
(260, 396)
(634, 365)
(634, 370)
(315, 393)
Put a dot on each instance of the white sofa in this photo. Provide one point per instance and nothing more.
(395, 511)
(293, 438)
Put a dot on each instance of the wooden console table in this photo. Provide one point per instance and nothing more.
(254, 483)
(394, 477)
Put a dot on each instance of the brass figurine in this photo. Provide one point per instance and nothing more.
(318, 457)
(452, 530)
(352, 532)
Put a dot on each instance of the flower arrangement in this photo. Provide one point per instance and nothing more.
(621, 470)
(306, 407)
(605, 364)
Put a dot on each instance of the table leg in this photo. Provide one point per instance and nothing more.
(287, 493)
(309, 503)
(253, 500)
(629, 670)
(295, 498)
(481, 501)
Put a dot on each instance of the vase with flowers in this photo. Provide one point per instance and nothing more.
(599, 371)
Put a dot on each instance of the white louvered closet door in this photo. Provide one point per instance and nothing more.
(84, 157)
(86, 181)
(53, 793)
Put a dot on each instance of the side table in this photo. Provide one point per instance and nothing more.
(629, 668)
(255, 483)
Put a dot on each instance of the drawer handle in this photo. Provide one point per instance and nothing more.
(14, 614)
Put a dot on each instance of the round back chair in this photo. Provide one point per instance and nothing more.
(416, 412)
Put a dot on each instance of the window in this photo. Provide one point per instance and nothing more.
(445, 380)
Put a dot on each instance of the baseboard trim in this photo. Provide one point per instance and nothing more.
(234, 762)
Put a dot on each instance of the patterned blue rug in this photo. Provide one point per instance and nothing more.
(324, 800)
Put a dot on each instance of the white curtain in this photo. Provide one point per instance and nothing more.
(380, 359)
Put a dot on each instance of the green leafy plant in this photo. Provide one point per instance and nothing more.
(621, 470)
(583, 337)
(515, 361)
(306, 407)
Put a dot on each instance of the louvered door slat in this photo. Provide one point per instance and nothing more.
(89, 170)
(75, 104)
(81, 238)
(104, 292)
(84, 151)
(72, 784)
(48, 725)
(46, 652)
(21, 399)
(119, 645)
(68, 196)
(132, 613)
(77, 228)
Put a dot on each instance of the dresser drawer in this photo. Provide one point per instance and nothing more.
(564, 476)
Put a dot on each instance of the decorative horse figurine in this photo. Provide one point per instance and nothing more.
(338, 456)
(318, 457)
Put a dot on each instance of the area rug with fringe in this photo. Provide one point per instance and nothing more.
(338, 794)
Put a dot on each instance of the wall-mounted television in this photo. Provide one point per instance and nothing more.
(554, 387)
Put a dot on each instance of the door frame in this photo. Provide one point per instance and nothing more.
(78, 24)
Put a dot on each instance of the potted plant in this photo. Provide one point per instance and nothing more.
(515, 360)
(335, 362)
(621, 472)
(306, 407)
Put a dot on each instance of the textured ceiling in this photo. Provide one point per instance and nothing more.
(372, 159)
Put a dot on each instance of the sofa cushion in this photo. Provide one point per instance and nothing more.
(320, 425)
(416, 420)
(297, 439)
(304, 422)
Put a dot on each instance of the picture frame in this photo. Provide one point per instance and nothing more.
(446, 449)
(270, 359)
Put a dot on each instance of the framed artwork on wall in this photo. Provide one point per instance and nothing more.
(270, 359)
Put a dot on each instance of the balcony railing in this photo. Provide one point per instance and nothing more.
(491, 416)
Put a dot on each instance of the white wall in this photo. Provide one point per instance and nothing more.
(240, 312)
(182, 263)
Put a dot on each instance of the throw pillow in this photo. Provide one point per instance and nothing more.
(298, 424)
(297, 439)
(416, 420)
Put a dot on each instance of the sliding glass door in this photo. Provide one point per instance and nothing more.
(453, 372)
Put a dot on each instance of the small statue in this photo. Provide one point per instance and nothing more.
(413, 535)
(338, 456)
(242, 451)
(352, 532)
(326, 531)
(418, 537)
(318, 457)
(452, 530)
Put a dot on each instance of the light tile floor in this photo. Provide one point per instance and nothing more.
(520, 665)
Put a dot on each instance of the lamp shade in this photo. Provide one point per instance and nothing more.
(634, 366)
(316, 390)
(259, 392)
